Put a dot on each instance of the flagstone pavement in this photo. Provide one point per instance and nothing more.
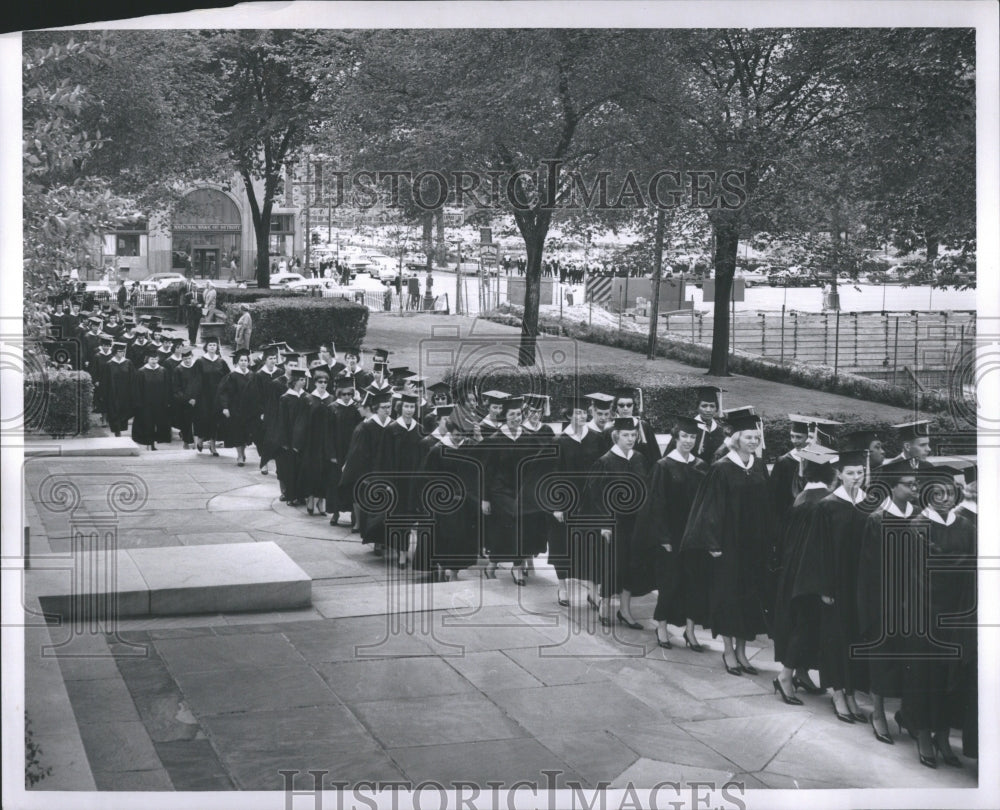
(387, 677)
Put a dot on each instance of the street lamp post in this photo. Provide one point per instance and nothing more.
(458, 276)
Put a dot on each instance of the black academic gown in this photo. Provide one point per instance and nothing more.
(405, 457)
(934, 686)
(118, 390)
(207, 414)
(534, 518)
(370, 453)
(572, 551)
(151, 394)
(731, 513)
(795, 623)
(268, 388)
(681, 580)
(616, 492)
(969, 675)
(237, 394)
(455, 536)
(97, 367)
(347, 418)
(186, 385)
(315, 443)
(888, 544)
(829, 567)
(290, 404)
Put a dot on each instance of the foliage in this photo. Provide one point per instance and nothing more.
(33, 770)
(61, 402)
(234, 295)
(304, 324)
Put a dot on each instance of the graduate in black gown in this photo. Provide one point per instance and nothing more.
(269, 385)
(118, 389)
(507, 455)
(213, 370)
(786, 480)
(681, 579)
(136, 352)
(830, 570)
(370, 452)
(352, 361)
(290, 405)
(616, 491)
(97, 365)
(534, 519)
(404, 441)
(711, 434)
(173, 358)
(572, 552)
(967, 480)
(454, 543)
(933, 685)
(186, 388)
(237, 403)
(625, 405)
(600, 417)
(494, 418)
(887, 544)
(796, 618)
(339, 499)
(315, 442)
(151, 396)
(731, 519)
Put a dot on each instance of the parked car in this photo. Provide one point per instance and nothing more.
(285, 278)
(308, 285)
(158, 281)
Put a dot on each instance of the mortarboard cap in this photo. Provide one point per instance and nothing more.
(176, 341)
(273, 350)
(496, 397)
(380, 398)
(824, 439)
(908, 431)
(297, 373)
(819, 455)
(743, 419)
(152, 351)
(735, 413)
(380, 367)
(895, 470)
(708, 393)
(410, 398)
(513, 403)
(539, 402)
(106, 340)
(310, 358)
(142, 330)
(602, 401)
(686, 423)
(624, 423)
(344, 381)
(440, 389)
(380, 355)
(241, 353)
(94, 321)
(186, 351)
(858, 440)
(625, 392)
(154, 321)
(852, 458)
(119, 345)
(291, 357)
(146, 319)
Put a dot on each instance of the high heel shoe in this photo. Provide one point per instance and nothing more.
(490, 571)
(806, 686)
(858, 716)
(590, 601)
(513, 576)
(898, 717)
(791, 700)
(627, 623)
(844, 718)
(694, 645)
(882, 738)
(929, 761)
(949, 758)
(200, 446)
(731, 670)
(749, 669)
(665, 644)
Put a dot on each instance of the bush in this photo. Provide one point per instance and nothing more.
(234, 295)
(303, 323)
(815, 376)
(33, 770)
(168, 297)
(58, 403)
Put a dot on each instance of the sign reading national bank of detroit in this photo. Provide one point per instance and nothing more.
(210, 226)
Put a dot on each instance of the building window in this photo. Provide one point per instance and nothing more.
(127, 244)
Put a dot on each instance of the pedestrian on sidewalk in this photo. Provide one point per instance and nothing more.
(244, 326)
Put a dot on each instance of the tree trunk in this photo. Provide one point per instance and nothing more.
(442, 247)
(726, 234)
(932, 243)
(654, 315)
(532, 295)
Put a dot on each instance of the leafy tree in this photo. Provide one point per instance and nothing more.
(272, 88)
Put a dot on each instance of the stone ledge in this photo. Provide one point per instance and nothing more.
(176, 580)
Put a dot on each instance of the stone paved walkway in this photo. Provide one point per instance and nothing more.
(386, 677)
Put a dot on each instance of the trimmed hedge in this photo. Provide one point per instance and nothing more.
(303, 322)
(234, 295)
(811, 375)
(58, 403)
(665, 395)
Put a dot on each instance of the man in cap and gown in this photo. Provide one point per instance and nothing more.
(915, 438)
(370, 452)
(315, 442)
(118, 385)
(347, 418)
(97, 366)
(269, 384)
(290, 406)
(186, 387)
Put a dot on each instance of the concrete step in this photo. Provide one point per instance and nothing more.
(81, 446)
(173, 580)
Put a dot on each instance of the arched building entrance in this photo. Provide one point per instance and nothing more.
(206, 234)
